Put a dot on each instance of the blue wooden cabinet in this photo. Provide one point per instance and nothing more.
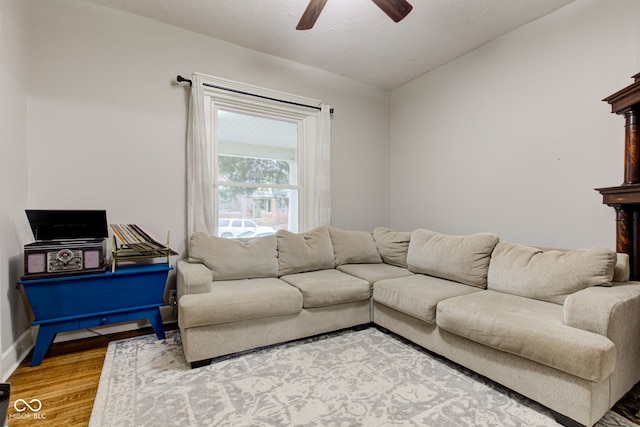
(68, 303)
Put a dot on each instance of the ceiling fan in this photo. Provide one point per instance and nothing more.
(396, 9)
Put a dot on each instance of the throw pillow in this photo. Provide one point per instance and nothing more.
(463, 259)
(231, 259)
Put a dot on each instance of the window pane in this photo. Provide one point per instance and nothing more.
(270, 209)
(256, 149)
(251, 170)
(262, 152)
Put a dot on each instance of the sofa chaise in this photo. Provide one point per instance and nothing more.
(558, 326)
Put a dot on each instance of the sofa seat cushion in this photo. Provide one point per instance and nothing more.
(328, 287)
(418, 295)
(236, 300)
(374, 272)
(528, 328)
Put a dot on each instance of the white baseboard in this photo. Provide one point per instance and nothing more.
(19, 350)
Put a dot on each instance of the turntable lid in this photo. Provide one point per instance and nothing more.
(67, 224)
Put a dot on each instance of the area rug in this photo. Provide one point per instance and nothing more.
(349, 378)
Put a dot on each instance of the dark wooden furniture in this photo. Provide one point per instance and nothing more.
(625, 198)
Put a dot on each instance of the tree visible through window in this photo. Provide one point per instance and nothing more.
(257, 179)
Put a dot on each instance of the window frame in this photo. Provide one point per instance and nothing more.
(259, 104)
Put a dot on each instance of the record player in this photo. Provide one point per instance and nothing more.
(67, 242)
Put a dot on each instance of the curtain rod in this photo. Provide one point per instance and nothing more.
(182, 79)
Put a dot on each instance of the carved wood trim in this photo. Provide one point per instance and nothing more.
(625, 199)
(631, 148)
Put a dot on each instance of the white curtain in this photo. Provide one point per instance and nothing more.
(322, 190)
(200, 192)
(199, 174)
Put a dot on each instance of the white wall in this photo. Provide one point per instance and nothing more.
(91, 118)
(107, 122)
(513, 137)
(13, 177)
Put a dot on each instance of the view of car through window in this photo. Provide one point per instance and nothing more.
(231, 227)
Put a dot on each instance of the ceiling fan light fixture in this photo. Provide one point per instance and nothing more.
(311, 14)
(395, 9)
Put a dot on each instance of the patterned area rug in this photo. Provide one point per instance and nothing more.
(348, 378)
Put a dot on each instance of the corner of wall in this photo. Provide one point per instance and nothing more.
(15, 332)
(16, 353)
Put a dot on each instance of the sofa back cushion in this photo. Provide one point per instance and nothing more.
(622, 271)
(302, 252)
(231, 259)
(463, 259)
(548, 275)
(392, 245)
(353, 247)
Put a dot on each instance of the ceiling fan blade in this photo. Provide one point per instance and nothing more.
(310, 15)
(396, 9)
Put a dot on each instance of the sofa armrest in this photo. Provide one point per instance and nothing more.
(600, 309)
(193, 278)
(615, 313)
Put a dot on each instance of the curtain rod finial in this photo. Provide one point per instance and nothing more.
(181, 79)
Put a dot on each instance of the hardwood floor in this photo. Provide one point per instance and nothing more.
(67, 381)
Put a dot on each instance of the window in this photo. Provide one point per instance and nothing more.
(257, 160)
(257, 173)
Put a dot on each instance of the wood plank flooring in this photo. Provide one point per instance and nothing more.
(67, 381)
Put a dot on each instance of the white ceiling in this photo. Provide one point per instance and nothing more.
(353, 38)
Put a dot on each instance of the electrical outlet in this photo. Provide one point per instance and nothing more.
(172, 297)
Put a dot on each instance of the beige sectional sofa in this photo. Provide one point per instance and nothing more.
(558, 326)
